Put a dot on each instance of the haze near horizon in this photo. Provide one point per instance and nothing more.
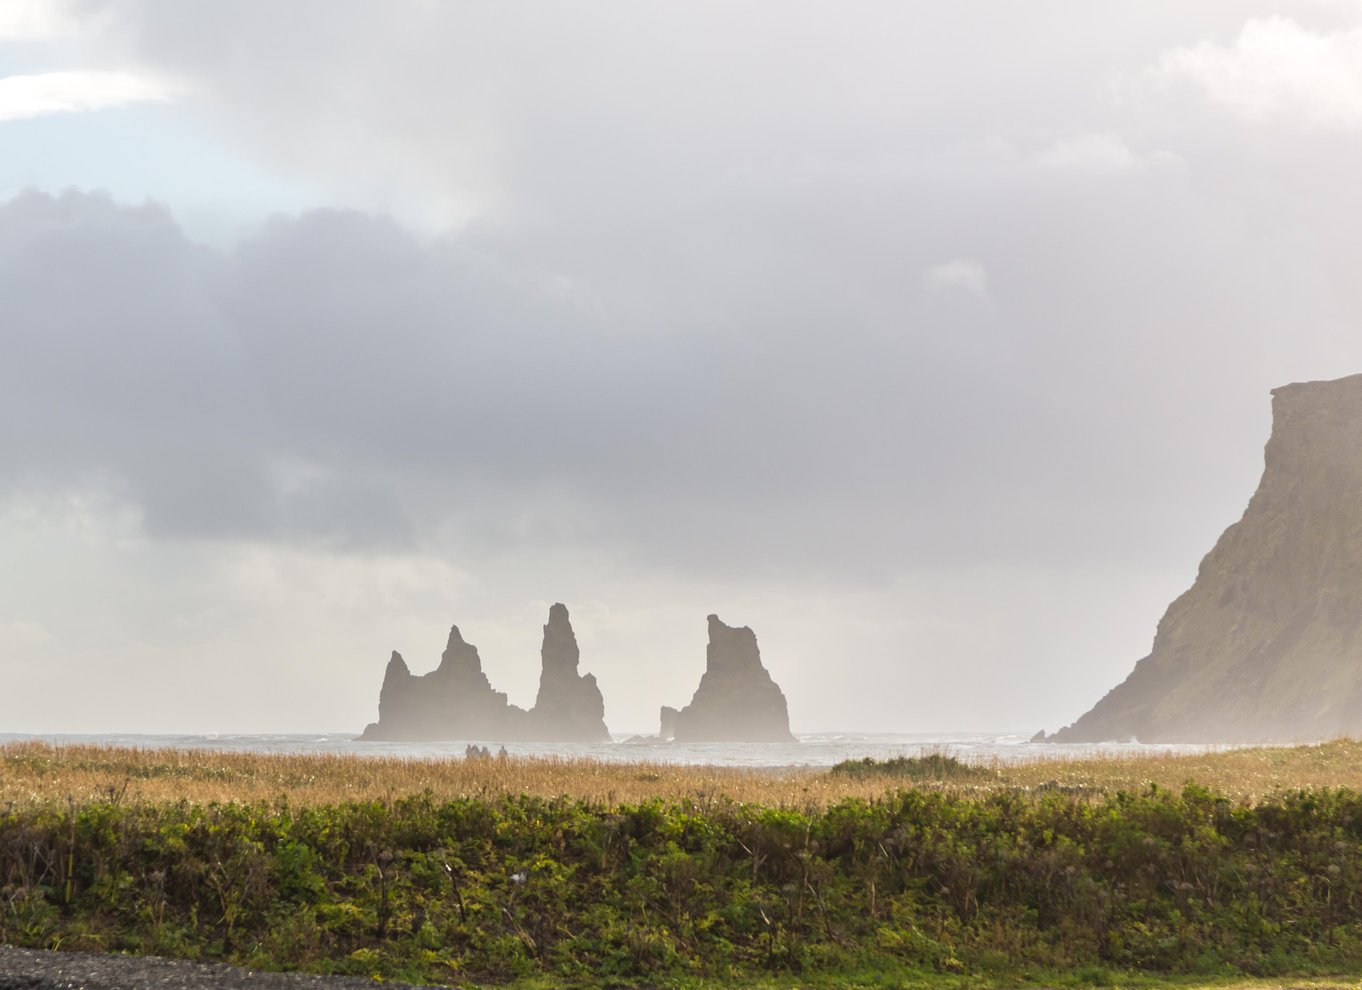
(934, 344)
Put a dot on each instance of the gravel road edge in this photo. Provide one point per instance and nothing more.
(34, 969)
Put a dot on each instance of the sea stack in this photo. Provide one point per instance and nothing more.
(737, 701)
(456, 700)
(569, 707)
(1265, 646)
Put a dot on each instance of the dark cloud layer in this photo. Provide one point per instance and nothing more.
(335, 379)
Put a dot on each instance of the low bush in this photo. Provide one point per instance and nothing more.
(919, 769)
(920, 885)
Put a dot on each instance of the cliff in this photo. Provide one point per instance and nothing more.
(1265, 646)
(737, 701)
(456, 700)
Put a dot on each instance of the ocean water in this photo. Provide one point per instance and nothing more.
(814, 749)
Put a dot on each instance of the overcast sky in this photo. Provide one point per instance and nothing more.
(933, 341)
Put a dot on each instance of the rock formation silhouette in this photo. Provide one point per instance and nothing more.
(737, 701)
(453, 701)
(668, 729)
(569, 706)
(1265, 646)
(456, 700)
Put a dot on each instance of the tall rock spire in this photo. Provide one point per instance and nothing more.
(396, 677)
(737, 701)
(569, 706)
(456, 701)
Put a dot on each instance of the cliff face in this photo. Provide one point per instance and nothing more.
(1265, 646)
(737, 701)
(456, 700)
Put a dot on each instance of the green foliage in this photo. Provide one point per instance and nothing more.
(920, 886)
(920, 769)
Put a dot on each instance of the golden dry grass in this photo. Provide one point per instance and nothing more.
(1247, 774)
(36, 773)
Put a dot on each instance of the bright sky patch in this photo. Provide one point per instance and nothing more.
(22, 97)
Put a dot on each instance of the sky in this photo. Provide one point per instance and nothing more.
(932, 341)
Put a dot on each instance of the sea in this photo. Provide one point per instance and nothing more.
(812, 749)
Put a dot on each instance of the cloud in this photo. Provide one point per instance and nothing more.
(336, 382)
(35, 20)
(1100, 154)
(1277, 69)
(20, 635)
(423, 111)
(22, 97)
(958, 275)
(1089, 152)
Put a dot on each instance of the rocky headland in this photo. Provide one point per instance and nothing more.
(457, 701)
(737, 701)
(1265, 646)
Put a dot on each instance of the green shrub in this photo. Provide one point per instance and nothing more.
(927, 768)
(920, 885)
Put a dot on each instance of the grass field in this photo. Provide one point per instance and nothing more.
(38, 773)
(1235, 869)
